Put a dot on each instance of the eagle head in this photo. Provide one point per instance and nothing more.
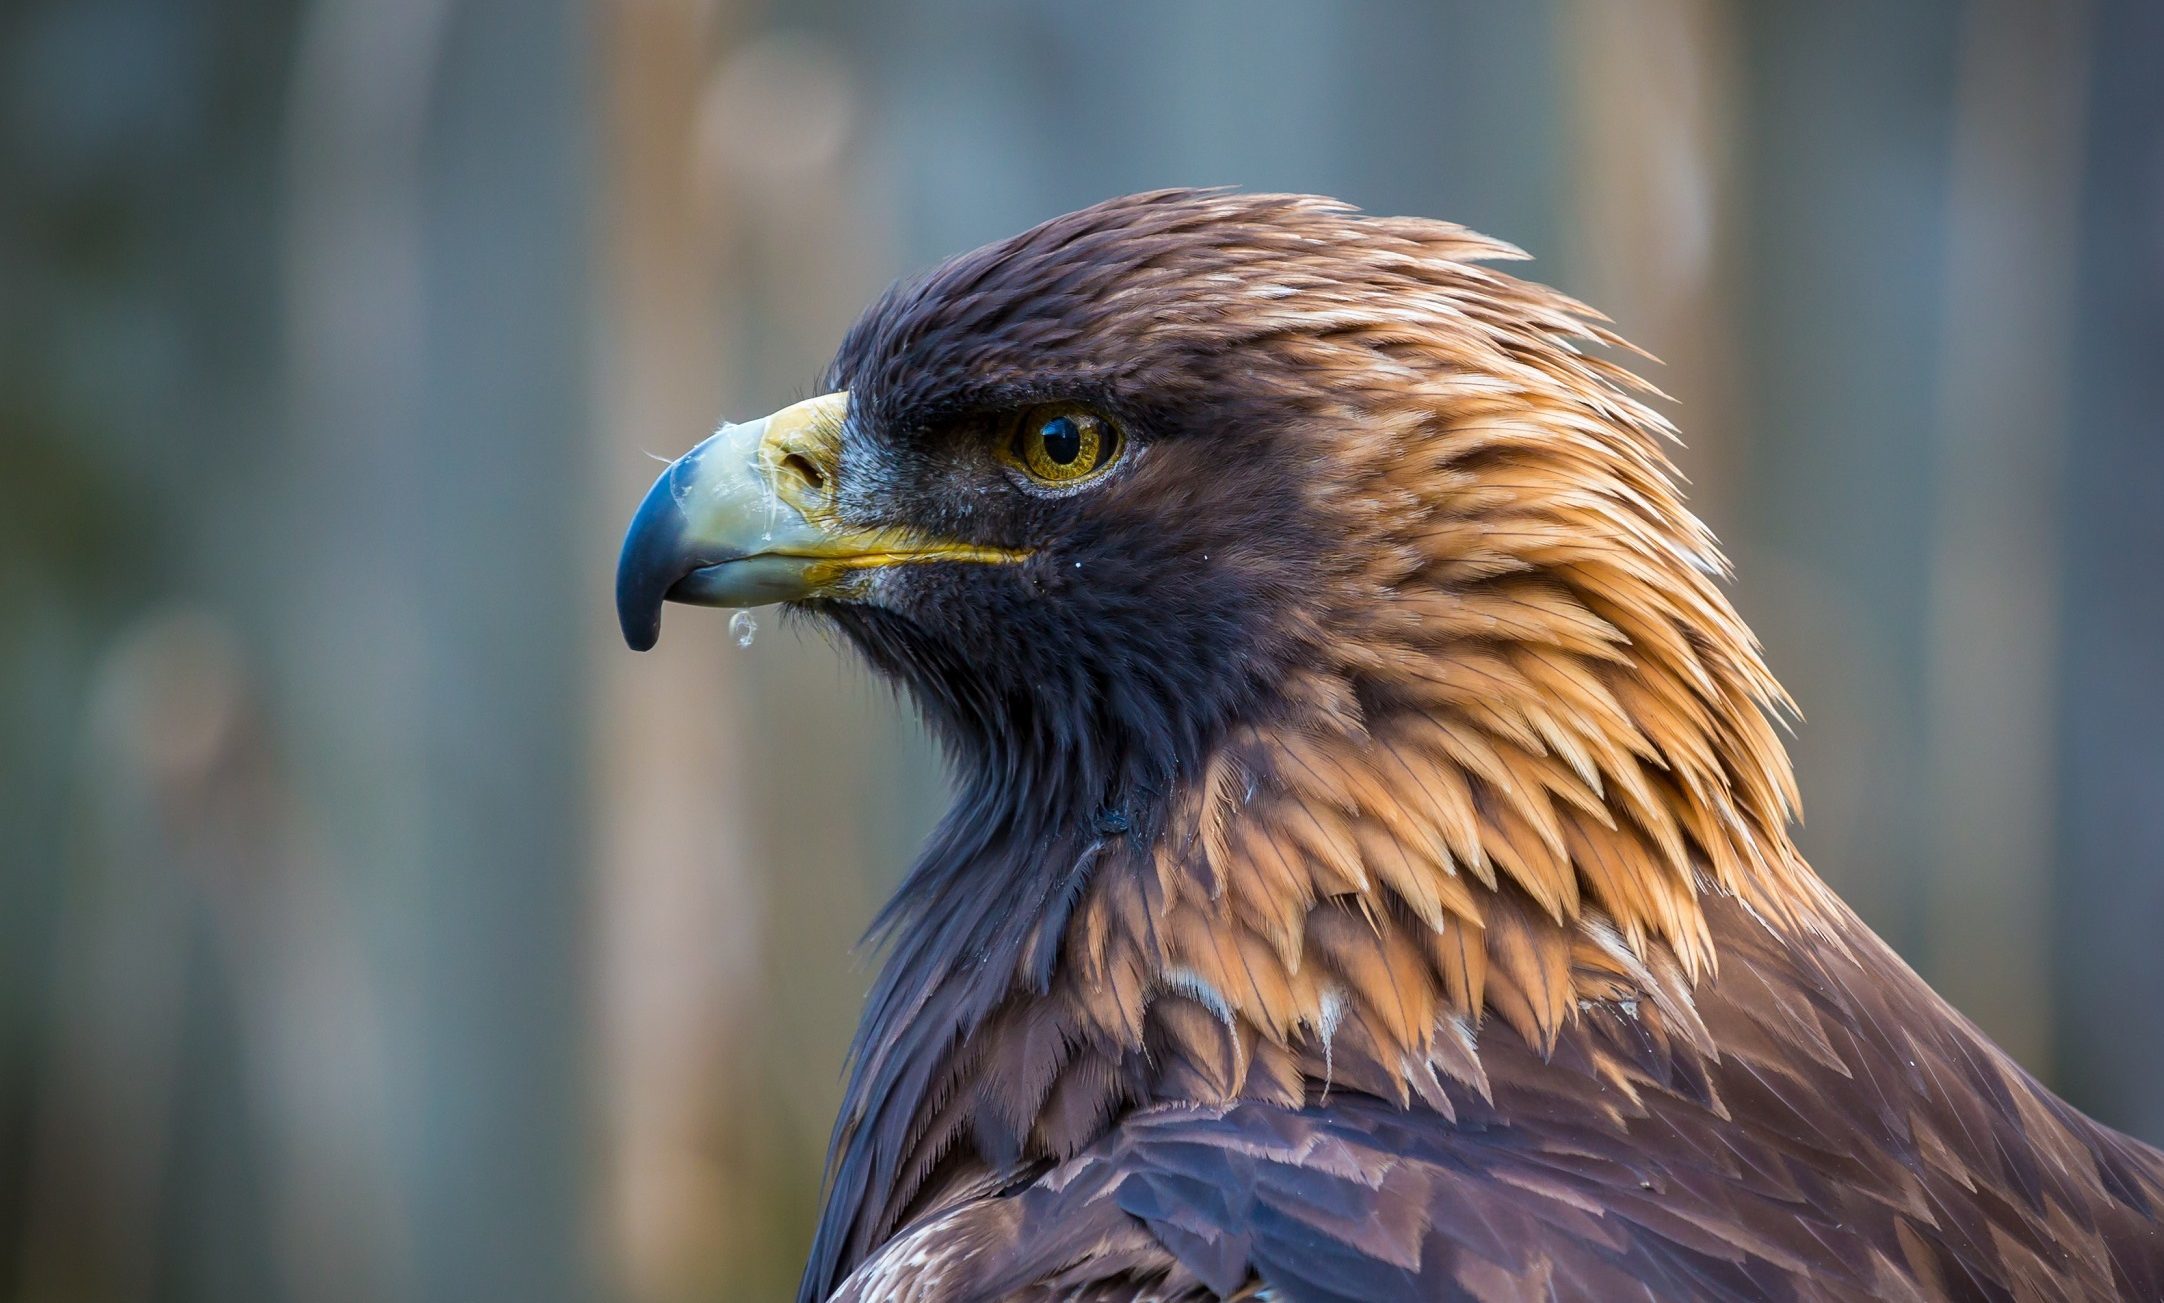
(1103, 493)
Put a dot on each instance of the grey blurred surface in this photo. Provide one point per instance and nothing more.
(372, 926)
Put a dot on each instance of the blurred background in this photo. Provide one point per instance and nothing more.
(374, 926)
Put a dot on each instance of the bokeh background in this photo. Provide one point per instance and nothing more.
(373, 926)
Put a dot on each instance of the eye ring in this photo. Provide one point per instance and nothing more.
(1062, 445)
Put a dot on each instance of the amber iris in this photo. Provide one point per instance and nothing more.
(1062, 446)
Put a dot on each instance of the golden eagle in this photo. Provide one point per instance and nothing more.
(1370, 876)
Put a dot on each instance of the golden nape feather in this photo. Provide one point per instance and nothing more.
(1371, 873)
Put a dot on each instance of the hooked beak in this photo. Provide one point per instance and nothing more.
(747, 518)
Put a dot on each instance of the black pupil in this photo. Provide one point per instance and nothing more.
(1062, 440)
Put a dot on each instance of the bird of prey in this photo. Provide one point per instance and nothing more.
(1371, 873)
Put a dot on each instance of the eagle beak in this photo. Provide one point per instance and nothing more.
(747, 518)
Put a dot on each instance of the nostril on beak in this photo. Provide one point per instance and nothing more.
(801, 466)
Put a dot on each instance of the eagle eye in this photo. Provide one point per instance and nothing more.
(1062, 445)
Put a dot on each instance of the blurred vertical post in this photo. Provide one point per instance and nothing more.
(424, 605)
(1650, 92)
(678, 908)
(1845, 113)
(2110, 845)
(1991, 622)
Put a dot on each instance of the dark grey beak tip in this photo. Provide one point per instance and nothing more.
(641, 632)
(652, 561)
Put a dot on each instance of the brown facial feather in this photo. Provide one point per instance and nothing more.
(1493, 905)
